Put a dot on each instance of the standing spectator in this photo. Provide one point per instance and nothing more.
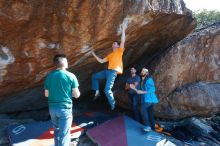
(147, 90)
(133, 79)
(60, 86)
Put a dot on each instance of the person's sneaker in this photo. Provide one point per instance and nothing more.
(147, 129)
(158, 128)
(96, 97)
(112, 107)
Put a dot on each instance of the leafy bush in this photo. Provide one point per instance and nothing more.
(205, 17)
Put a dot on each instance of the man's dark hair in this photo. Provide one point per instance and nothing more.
(57, 60)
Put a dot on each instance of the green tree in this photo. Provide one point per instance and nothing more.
(205, 17)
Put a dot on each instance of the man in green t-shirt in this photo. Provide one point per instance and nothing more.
(60, 86)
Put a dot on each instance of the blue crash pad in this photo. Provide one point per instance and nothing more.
(41, 133)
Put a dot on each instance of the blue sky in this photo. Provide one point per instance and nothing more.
(203, 4)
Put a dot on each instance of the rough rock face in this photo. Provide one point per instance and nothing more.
(32, 32)
(197, 99)
(27, 100)
(196, 58)
(195, 131)
(180, 70)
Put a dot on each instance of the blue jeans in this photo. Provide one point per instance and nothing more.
(134, 105)
(147, 115)
(62, 121)
(110, 76)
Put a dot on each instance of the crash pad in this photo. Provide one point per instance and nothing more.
(42, 134)
(123, 131)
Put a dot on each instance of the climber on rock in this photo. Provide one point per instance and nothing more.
(115, 66)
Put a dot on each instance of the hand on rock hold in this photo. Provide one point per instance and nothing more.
(124, 26)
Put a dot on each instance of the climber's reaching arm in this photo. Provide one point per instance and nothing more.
(123, 37)
(98, 58)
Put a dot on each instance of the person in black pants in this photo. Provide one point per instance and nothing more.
(149, 98)
(134, 79)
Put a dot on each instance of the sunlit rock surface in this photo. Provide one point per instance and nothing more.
(188, 76)
(32, 32)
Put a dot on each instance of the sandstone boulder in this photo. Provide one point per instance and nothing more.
(188, 75)
(199, 99)
(32, 32)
